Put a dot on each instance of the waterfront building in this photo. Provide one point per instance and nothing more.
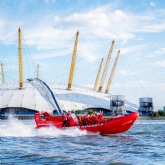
(117, 103)
(146, 106)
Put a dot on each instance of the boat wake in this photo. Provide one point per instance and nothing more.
(21, 128)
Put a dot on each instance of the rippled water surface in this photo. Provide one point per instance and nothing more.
(22, 144)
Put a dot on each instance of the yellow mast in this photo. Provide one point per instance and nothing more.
(3, 74)
(106, 67)
(72, 67)
(112, 73)
(38, 71)
(20, 60)
(98, 75)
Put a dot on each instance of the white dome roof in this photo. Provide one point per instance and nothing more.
(34, 97)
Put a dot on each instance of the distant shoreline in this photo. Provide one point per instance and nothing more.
(150, 118)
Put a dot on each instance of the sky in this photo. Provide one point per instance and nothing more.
(49, 28)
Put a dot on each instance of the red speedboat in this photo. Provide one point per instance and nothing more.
(112, 125)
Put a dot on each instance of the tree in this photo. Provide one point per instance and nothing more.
(161, 113)
(90, 112)
(78, 112)
(153, 114)
(72, 111)
(116, 111)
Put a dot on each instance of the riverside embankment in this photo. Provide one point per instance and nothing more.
(151, 118)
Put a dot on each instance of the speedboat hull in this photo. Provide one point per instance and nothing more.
(113, 125)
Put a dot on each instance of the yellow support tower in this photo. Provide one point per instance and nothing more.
(20, 60)
(38, 71)
(106, 67)
(3, 74)
(98, 75)
(112, 73)
(72, 67)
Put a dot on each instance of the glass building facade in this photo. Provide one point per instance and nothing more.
(117, 103)
(145, 106)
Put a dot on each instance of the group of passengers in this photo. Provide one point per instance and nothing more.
(96, 118)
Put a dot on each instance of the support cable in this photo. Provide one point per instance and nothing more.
(136, 77)
(130, 82)
(8, 48)
(50, 65)
(29, 53)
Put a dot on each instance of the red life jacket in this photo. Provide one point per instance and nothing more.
(68, 114)
(80, 121)
(63, 117)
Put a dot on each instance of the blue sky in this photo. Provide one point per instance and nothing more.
(49, 28)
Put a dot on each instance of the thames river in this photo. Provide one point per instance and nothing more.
(21, 144)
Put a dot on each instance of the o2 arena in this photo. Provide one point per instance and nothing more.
(24, 98)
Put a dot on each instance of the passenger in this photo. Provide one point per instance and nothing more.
(88, 120)
(93, 117)
(84, 119)
(69, 114)
(80, 120)
(97, 117)
(68, 122)
(64, 119)
(101, 118)
(68, 118)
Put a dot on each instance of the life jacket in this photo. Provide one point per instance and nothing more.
(73, 120)
(63, 117)
(89, 120)
(101, 118)
(80, 121)
(68, 114)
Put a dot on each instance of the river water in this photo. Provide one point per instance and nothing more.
(21, 144)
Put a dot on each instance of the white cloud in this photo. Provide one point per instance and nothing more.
(124, 72)
(124, 42)
(43, 37)
(54, 32)
(137, 59)
(163, 50)
(152, 4)
(160, 63)
(117, 36)
(159, 27)
(159, 52)
(57, 19)
(135, 48)
(100, 23)
(144, 83)
(107, 23)
(47, 1)
(146, 69)
(140, 38)
(46, 55)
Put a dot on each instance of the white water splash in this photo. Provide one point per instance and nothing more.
(19, 128)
